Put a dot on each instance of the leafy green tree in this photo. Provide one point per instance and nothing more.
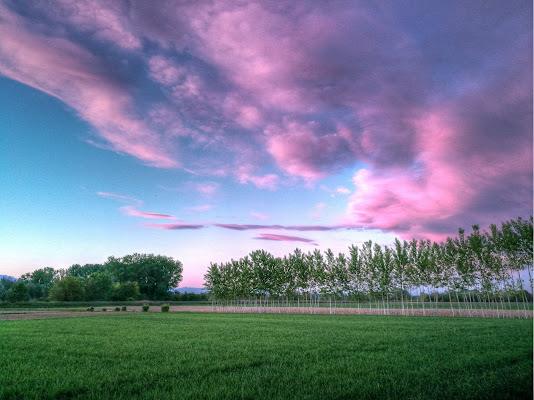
(18, 292)
(85, 271)
(125, 291)
(99, 286)
(40, 281)
(5, 285)
(155, 274)
(69, 288)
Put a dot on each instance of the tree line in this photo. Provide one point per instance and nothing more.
(131, 277)
(480, 266)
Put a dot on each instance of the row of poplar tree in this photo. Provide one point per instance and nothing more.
(490, 264)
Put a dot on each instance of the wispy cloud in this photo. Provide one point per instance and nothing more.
(173, 226)
(205, 207)
(244, 227)
(283, 238)
(317, 211)
(258, 215)
(120, 197)
(136, 213)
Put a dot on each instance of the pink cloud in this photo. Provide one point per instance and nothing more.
(318, 210)
(283, 238)
(243, 227)
(133, 212)
(268, 181)
(258, 215)
(117, 196)
(99, 19)
(342, 190)
(173, 226)
(204, 207)
(72, 74)
(207, 188)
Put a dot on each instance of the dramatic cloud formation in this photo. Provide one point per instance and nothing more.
(427, 104)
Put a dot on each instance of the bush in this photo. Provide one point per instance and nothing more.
(91, 308)
(146, 307)
(123, 308)
(164, 308)
(104, 309)
(117, 309)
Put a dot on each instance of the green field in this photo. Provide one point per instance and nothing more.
(265, 356)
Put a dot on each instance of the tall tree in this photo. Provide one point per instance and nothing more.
(69, 288)
(155, 274)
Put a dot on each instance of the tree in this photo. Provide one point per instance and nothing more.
(98, 287)
(18, 292)
(5, 286)
(40, 281)
(69, 288)
(155, 275)
(126, 291)
(85, 271)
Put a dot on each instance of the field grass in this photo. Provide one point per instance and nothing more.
(265, 356)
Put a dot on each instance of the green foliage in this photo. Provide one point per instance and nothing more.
(177, 296)
(117, 308)
(123, 308)
(69, 288)
(18, 292)
(145, 307)
(487, 262)
(84, 272)
(155, 274)
(99, 286)
(126, 291)
(165, 308)
(91, 308)
(5, 286)
(262, 356)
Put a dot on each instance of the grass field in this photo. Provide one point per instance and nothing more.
(265, 356)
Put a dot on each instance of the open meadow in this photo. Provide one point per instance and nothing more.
(265, 356)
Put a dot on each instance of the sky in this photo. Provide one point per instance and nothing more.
(204, 130)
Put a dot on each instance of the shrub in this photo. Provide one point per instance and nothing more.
(164, 308)
(146, 307)
(117, 309)
(91, 308)
(123, 308)
(104, 309)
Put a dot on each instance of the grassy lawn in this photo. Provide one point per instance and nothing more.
(265, 356)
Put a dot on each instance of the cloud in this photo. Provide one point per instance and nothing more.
(173, 226)
(268, 181)
(77, 77)
(244, 227)
(133, 212)
(317, 211)
(435, 99)
(204, 207)
(283, 238)
(117, 196)
(258, 215)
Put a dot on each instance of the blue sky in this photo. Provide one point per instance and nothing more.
(204, 131)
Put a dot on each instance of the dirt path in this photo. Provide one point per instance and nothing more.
(43, 314)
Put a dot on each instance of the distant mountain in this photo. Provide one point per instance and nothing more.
(8, 277)
(189, 290)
